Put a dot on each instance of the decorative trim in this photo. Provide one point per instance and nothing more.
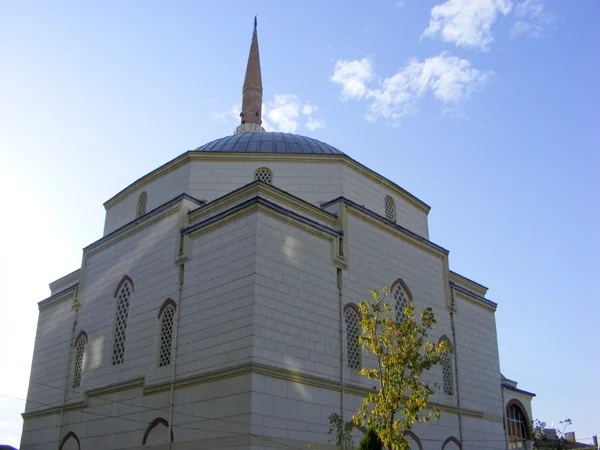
(192, 156)
(119, 386)
(69, 435)
(235, 371)
(122, 282)
(166, 303)
(156, 422)
(452, 439)
(414, 437)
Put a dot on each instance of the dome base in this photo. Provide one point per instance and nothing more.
(248, 128)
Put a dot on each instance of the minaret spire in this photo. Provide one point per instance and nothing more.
(251, 115)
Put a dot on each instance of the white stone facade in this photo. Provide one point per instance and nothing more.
(259, 276)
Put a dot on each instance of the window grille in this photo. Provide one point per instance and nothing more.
(517, 428)
(79, 350)
(352, 333)
(390, 209)
(166, 336)
(141, 204)
(118, 354)
(401, 301)
(263, 174)
(447, 374)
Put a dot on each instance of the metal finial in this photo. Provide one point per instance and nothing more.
(255, 22)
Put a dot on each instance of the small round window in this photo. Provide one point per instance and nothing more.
(263, 174)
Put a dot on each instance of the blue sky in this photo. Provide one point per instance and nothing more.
(484, 109)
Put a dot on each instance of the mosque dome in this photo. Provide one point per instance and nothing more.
(269, 142)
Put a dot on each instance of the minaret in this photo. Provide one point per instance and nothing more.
(251, 115)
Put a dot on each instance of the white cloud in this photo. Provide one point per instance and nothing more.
(315, 124)
(448, 78)
(230, 115)
(308, 109)
(352, 76)
(533, 19)
(467, 23)
(282, 114)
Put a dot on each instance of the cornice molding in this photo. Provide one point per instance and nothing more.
(67, 294)
(63, 281)
(148, 219)
(259, 204)
(193, 156)
(471, 297)
(240, 370)
(468, 284)
(258, 188)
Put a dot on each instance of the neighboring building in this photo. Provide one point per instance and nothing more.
(219, 308)
(569, 441)
(518, 416)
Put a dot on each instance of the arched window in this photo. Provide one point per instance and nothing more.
(141, 204)
(79, 350)
(402, 297)
(413, 440)
(451, 444)
(516, 426)
(166, 316)
(70, 442)
(390, 209)
(352, 334)
(157, 432)
(123, 295)
(263, 174)
(447, 372)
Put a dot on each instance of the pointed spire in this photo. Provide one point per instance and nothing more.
(251, 115)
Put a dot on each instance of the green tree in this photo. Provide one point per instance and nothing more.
(371, 441)
(403, 353)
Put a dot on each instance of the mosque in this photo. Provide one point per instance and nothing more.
(218, 310)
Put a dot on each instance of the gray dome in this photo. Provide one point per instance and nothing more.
(267, 142)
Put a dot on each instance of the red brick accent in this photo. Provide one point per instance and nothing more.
(156, 422)
(69, 435)
(353, 306)
(414, 437)
(403, 284)
(81, 333)
(451, 439)
(123, 280)
(166, 303)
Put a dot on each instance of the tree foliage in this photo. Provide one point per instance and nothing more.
(341, 430)
(371, 441)
(403, 353)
